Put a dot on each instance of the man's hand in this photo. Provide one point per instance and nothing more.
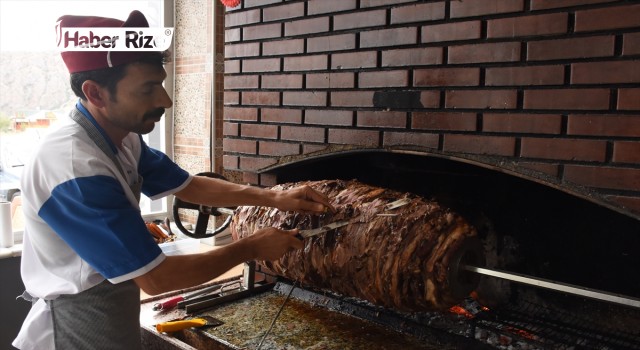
(271, 243)
(303, 199)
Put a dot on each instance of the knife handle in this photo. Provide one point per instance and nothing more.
(171, 303)
(174, 326)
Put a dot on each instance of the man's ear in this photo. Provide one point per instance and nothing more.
(96, 94)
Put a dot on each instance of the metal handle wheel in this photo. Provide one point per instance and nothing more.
(204, 212)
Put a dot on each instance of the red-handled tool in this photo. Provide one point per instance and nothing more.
(169, 304)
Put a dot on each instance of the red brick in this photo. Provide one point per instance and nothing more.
(278, 148)
(545, 168)
(308, 148)
(231, 97)
(563, 99)
(417, 13)
(283, 12)
(477, 144)
(331, 43)
(376, 3)
(230, 162)
(364, 59)
(381, 119)
(523, 76)
(306, 63)
(352, 98)
(282, 81)
(539, 25)
(241, 18)
(320, 7)
(595, 46)
(230, 129)
(360, 19)
(244, 114)
(328, 117)
(281, 115)
(263, 131)
(485, 99)
(605, 72)
(241, 50)
(330, 80)
(484, 7)
(232, 35)
(232, 66)
(354, 137)
(264, 31)
(430, 99)
(451, 31)
(446, 77)
(261, 65)
(307, 26)
(631, 44)
(551, 4)
(522, 123)
(491, 52)
(389, 37)
(393, 78)
(241, 82)
(410, 139)
(565, 149)
(411, 57)
(283, 47)
(253, 163)
(604, 125)
(304, 98)
(613, 17)
(603, 177)
(240, 146)
(626, 152)
(443, 121)
(260, 98)
(629, 99)
(256, 3)
(302, 133)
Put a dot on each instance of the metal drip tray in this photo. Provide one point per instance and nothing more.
(308, 321)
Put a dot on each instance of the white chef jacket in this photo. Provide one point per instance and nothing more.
(82, 221)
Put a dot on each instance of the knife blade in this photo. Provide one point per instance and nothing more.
(302, 234)
(397, 204)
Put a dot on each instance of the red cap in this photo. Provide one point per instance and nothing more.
(80, 61)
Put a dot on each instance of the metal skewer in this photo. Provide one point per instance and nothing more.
(563, 287)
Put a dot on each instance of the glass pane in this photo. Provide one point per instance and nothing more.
(35, 95)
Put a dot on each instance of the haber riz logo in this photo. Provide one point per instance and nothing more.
(113, 39)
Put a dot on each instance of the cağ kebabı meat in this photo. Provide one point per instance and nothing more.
(395, 258)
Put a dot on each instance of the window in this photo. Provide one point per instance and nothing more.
(34, 92)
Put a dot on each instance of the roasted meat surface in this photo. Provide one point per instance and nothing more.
(395, 258)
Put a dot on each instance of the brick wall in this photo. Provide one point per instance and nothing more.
(549, 86)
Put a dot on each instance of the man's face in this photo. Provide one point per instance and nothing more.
(140, 99)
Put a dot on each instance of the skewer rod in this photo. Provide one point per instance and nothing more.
(563, 287)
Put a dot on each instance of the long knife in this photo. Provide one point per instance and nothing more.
(302, 234)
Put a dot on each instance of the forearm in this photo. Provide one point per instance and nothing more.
(183, 271)
(220, 193)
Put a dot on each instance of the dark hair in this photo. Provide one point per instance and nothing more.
(109, 77)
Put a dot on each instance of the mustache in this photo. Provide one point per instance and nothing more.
(155, 114)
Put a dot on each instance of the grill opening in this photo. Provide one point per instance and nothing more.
(528, 226)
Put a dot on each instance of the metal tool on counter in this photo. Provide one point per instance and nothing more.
(273, 322)
(173, 302)
(178, 325)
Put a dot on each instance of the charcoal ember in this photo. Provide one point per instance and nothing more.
(396, 261)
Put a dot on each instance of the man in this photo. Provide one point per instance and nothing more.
(87, 252)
